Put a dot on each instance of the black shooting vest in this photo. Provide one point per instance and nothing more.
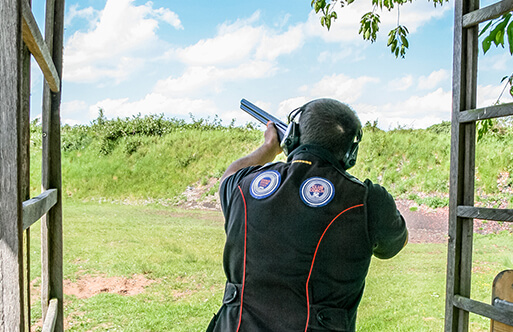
(297, 249)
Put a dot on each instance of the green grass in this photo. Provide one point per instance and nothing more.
(154, 159)
(182, 251)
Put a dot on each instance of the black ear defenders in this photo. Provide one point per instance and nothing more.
(291, 137)
(291, 140)
(349, 159)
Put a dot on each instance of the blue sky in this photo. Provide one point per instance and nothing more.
(201, 57)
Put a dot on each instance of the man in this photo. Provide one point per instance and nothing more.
(300, 234)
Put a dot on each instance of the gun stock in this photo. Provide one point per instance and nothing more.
(263, 117)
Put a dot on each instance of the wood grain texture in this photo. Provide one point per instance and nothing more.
(483, 113)
(487, 13)
(11, 262)
(51, 224)
(485, 213)
(35, 208)
(37, 46)
(503, 290)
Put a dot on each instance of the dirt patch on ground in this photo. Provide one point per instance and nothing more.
(87, 286)
(427, 225)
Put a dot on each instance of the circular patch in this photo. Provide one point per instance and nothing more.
(265, 184)
(316, 192)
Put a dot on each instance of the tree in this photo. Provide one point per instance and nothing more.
(398, 37)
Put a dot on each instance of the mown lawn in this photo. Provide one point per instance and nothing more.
(182, 252)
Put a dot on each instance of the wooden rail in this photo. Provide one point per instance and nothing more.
(483, 309)
(487, 13)
(486, 113)
(37, 46)
(485, 213)
(51, 316)
(36, 207)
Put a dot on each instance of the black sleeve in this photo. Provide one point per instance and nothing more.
(229, 185)
(387, 228)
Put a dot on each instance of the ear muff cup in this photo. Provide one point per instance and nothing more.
(291, 138)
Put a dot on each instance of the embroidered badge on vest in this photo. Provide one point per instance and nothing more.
(317, 192)
(265, 184)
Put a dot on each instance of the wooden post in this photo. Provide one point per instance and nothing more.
(11, 262)
(24, 120)
(51, 225)
(459, 254)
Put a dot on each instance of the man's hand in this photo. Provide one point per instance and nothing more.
(261, 156)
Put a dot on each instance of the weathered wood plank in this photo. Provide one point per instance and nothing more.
(489, 112)
(51, 316)
(451, 315)
(485, 213)
(487, 13)
(483, 309)
(51, 225)
(37, 46)
(11, 241)
(502, 298)
(25, 174)
(36, 207)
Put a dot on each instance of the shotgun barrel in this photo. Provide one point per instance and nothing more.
(263, 117)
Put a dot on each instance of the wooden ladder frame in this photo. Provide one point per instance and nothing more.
(19, 38)
(463, 137)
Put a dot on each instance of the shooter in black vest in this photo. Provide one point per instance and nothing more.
(300, 234)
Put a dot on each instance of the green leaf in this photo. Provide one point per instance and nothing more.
(510, 37)
(511, 91)
(350, 2)
(404, 41)
(485, 28)
(487, 42)
(391, 38)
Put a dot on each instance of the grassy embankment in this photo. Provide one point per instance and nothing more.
(154, 160)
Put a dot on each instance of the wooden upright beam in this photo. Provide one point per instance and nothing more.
(51, 225)
(459, 253)
(11, 240)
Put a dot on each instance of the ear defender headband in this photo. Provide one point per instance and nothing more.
(291, 140)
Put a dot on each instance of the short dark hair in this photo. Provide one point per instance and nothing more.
(329, 124)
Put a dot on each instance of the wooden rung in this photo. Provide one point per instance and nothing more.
(487, 13)
(37, 46)
(51, 316)
(36, 207)
(485, 213)
(486, 113)
(483, 309)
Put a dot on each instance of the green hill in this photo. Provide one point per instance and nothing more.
(154, 159)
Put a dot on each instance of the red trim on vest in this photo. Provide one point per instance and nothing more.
(313, 261)
(244, 266)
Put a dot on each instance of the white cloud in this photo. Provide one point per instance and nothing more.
(341, 87)
(241, 41)
(155, 103)
(88, 13)
(417, 111)
(198, 79)
(124, 31)
(433, 80)
(487, 95)
(401, 84)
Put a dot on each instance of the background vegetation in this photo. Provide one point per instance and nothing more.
(154, 159)
(142, 160)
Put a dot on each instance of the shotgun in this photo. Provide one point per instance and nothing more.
(263, 117)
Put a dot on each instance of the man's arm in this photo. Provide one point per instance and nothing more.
(261, 156)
